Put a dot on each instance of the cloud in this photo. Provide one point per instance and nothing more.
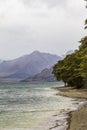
(49, 3)
(54, 26)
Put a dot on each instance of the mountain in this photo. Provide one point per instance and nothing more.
(67, 53)
(26, 66)
(45, 76)
(1, 61)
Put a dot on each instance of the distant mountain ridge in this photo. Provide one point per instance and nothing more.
(67, 53)
(26, 66)
(44, 76)
(1, 61)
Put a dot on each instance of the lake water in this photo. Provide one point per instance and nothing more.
(25, 106)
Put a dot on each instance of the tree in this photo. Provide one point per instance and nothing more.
(73, 69)
(86, 24)
(70, 71)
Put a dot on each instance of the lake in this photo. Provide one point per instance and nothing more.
(28, 106)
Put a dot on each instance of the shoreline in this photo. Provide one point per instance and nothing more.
(76, 119)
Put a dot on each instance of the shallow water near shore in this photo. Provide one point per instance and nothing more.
(35, 106)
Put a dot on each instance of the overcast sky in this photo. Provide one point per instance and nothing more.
(53, 26)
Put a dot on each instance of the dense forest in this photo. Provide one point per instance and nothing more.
(73, 68)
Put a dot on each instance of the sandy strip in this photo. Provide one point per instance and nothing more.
(72, 93)
(77, 119)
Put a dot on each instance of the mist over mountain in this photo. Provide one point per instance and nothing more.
(26, 66)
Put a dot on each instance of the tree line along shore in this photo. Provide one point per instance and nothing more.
(72, 70)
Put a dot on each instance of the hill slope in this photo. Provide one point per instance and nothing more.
(45, 76)
(26, 66)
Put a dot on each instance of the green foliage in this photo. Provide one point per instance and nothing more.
(73, 69)
(86, 24)
(83, 43)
